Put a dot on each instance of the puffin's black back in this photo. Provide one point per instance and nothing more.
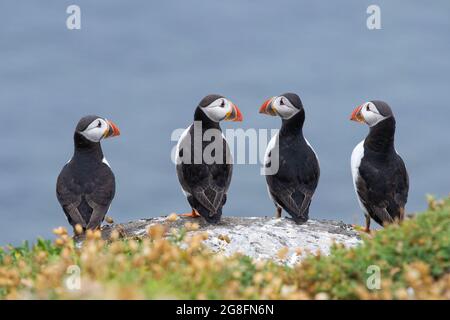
(205, 184)
(85, 187)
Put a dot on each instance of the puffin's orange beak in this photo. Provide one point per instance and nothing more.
(267, 107)
(234, 115)
(357, 115)
(112, 131)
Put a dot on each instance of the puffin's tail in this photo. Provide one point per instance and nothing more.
(213, 219)
(300, 219)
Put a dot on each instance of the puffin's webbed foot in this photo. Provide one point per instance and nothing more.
(193, 214)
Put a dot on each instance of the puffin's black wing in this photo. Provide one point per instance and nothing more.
(383, 189)
(86, 198)
(210, 184)
(293, 186)
(206, 185)
(69, 196)
(101, 196)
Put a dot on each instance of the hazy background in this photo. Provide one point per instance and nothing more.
(146, 65)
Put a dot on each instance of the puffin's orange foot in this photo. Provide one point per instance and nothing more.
(361, 229)
(193, 214)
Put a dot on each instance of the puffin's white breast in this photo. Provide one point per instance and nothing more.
(106, 162)
(177, 154)
(357, 155)
(177, 150)
(267, 159)
(269, 148)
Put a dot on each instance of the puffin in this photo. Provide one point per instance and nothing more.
(204, 164)
(86, 185)
(379, 174)
(291, 165)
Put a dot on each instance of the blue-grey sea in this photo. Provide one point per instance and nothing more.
(146, 65)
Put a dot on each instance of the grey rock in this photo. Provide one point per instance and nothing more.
(257, 237)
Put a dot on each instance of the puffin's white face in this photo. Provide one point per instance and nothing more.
(371, 114)
(222, 109)
(96, 130)
(279, 106)
(368, 113)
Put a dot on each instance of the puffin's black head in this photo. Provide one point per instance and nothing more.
(95, 128)
(286, 106)
(218, 108)
(372, 112)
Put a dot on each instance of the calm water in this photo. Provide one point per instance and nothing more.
(146, 65)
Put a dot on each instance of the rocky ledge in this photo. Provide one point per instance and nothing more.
(257, 237)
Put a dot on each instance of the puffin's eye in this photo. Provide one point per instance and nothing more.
(368, 108)
(222, 104)
(99, 124)
(281, 102)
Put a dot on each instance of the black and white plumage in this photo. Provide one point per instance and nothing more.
(291, 165)
(379, 174)
(204, 173)
(86, 185)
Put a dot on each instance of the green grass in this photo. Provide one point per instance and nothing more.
(413, 259)
(421, 244)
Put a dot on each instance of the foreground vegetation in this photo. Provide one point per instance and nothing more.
(413, 261)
